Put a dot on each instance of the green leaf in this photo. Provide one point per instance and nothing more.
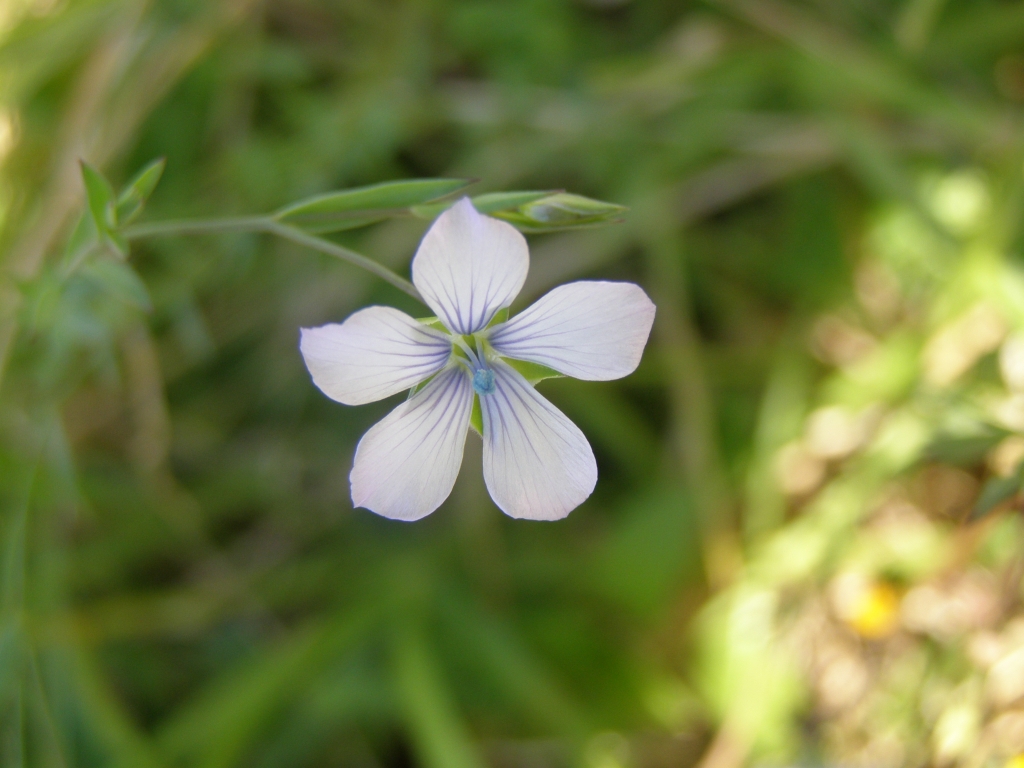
(505, 201)
(102, 712)
(84, 239)
(82, 236)
(536, 212)
(11, 655)
(101, 198)
(498, 654)
(224, 720)
(325, 225)
(136, 193)
(534, 372)
(117, 242)
(103, 210)
(351, 208)
(964, 447)
(440, 736)
(121, 280)
(651, 549)
(490, 202)
(995, 492)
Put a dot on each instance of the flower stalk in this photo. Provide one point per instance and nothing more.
(270, 225)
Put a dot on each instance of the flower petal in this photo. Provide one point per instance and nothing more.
(375, 353)
(406, 465)
(589, 330)
(537, 463)
(469, 266)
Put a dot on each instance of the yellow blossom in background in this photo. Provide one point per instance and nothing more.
(869, 607)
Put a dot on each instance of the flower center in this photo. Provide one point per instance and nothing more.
(483, 381)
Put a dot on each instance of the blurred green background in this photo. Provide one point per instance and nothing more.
(805, 546)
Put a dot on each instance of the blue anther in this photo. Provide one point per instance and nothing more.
(483, 381)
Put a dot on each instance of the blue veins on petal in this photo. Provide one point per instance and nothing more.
(406, 464)
(377, 352)
(469, 266)
(592, 330)
(537, 464)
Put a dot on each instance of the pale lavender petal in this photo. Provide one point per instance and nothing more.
(588, 330)
(406, 465)
(375, 353)
(537, 464)
(469, 266)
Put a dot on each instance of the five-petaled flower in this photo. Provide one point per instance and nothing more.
(469, 267)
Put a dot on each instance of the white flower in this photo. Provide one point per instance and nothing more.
(537, 463)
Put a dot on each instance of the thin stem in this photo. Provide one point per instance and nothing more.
(333, 249)
(197, 227)
(272, 226)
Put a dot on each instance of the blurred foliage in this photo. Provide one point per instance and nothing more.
(805, 547)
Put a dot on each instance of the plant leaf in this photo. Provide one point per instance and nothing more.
(82, 242)
(996, 491)
(135, 194)
(121, 280)
(486, 203)
(964, 447)
(351, 208)
(101, 198)
(441, 737)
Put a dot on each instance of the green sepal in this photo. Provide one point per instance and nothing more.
(499, 317)
(476, 416)
(567, 207)
(417, 387)
(135, 194)
(562, 210)
(535, 212)
(432, 322)
(359, 207)
(506, 201)
(533, 372)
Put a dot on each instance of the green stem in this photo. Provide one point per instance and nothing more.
(196, 227)
(333, 249)
(271, 226)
